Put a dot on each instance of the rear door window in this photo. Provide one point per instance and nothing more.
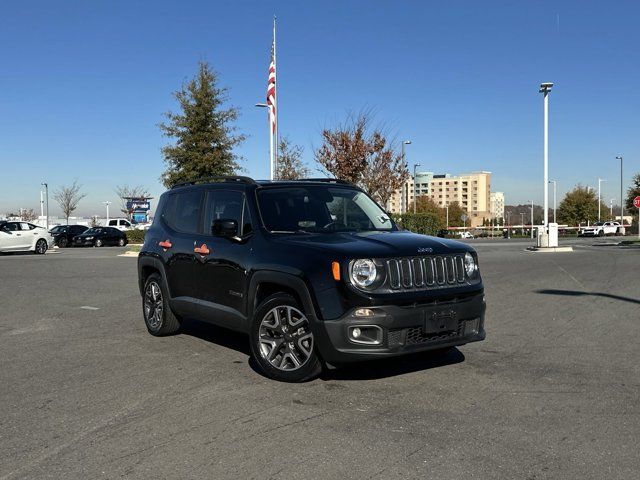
(182, 211)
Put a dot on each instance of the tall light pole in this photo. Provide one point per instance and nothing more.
(621, 199)
(554, 200)
(271, 162)
(522, 222)
(611, 209)
(447, 207)
(403, 200)
(545, 89)
(600, 180)
(46, 189)
(531, 218)
(415, 199)
(107, 204)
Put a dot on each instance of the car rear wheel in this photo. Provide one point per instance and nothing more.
(99, 243)
(282, 343)
(158, 317)
(601, 233)
(63, 242)
(41, 246)
(122, 242)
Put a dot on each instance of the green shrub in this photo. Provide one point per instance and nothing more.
(135, 236)
(424, 223)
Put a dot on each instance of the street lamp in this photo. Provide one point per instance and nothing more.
(531, 218)
(46, 189)
(405, 193)
(522, 222)
(447, 207)
(621, 199)
(554, 200)
(271, 157)
(611, 209)
(600, 180)
(107, 204)
(415, 199)
(545, 89)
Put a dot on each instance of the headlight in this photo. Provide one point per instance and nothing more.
(363, 273)
(88, 238)
(470, 265)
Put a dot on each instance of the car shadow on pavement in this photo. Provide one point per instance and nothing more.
(218, 335)
(576, 293)
(395, 366)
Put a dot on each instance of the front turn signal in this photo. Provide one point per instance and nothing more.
(335, 269)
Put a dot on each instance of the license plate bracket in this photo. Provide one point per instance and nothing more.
(443, 321)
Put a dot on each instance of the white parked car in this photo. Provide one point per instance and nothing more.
(121, 224)
(24, 237)
(599, 229)
(466, 234)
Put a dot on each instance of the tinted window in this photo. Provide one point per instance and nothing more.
(113, 222)
(223, 204)
(182, 211)
(59, 229)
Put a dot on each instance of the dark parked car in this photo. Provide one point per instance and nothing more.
(100, 236)
(63, 234)
(314, 271)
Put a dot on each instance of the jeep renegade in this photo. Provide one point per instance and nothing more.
(313, 270)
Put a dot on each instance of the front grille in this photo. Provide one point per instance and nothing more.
(425, 272)
(416, 335)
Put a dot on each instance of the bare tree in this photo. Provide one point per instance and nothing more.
(68, 198)
(290, 166)
(28, 215)
(353, 153)
(125, 193)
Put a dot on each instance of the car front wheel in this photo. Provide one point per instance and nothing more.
(98, 243)
(282, 343)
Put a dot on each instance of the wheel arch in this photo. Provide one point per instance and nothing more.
(147, 266)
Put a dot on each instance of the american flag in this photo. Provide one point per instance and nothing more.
(271, 88)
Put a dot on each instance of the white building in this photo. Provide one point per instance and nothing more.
(497, 204)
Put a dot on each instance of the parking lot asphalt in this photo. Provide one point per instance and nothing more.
(553, 392)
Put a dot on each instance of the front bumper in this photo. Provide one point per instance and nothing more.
(83, 243)
(404, 329)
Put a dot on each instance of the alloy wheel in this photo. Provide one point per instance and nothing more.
(153, 306)
(41, 247)
(286, 341)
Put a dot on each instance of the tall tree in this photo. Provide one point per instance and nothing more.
(580, 205)
(290, 166)
(126, 192)
(354, 153)
(455, 215)
(203, 130)
(68, 198)
(28, 215)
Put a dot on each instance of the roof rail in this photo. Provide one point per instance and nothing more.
(220, 179)
(326, 180)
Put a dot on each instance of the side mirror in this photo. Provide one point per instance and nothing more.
(225, 227)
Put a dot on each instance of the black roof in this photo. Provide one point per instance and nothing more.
(251, 181)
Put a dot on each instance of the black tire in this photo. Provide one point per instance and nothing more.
(295, 343)
(122, 242)
(98, 243)
(63, 242)
(601, 233)
(165, 322)
(41, 247)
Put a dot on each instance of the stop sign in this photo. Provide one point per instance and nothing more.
(636, 202)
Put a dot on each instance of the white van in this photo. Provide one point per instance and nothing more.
(120, 223)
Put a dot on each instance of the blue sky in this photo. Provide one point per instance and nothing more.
(83, 86)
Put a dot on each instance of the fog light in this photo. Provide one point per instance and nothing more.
(366, 334)
(471, 327)
(364, 312)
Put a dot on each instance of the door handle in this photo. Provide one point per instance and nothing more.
(202, 250)
(165, 244)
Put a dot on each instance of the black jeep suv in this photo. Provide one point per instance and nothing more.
(313, 270)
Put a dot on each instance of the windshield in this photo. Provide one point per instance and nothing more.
(92, 231)
(59, 229)
(319, 209)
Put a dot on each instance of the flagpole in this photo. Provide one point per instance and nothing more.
(275, 97)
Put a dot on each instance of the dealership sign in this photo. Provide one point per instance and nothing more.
(133, 205)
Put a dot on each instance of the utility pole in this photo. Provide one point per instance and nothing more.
(107, 204)
(621, 198)
(415, 199)
(545, 89)
(600, 180)
(531, 218)
(46, 189)
(554, 200)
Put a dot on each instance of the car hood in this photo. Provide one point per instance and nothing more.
(375, 244)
